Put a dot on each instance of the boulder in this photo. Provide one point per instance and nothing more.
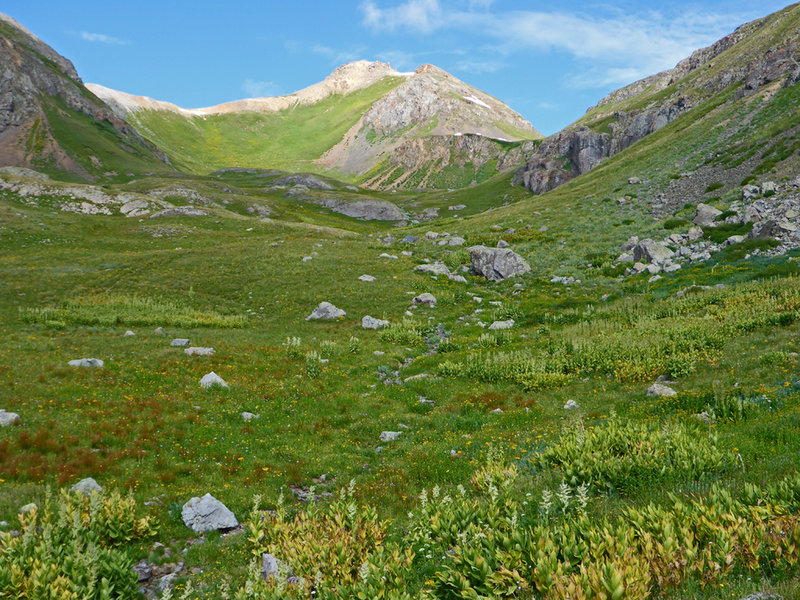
(658, 390)
(502, 244)
(634, 181)
(198, 351)
(87, 486)
(497, 264)
(434, 269)
(750, 191)
(694, 234)
(456, 241)
(650, 251)
(207, 514)
(86, 362)
(143, 571)
(431, 235)
(457, 207)
(180, 342)
(212, 379)
(326, 310)
(129, 333)
(410, 239)
(426, 299)
(369, 322)
(457, 278)
(8, 418)
(367, 278)
(390, 436)
(304, 179)
(570, 405)
(706, 215)
(501, 325)
(248, 416)
(734, 239)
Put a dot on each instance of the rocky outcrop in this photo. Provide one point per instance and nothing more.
(496, 264)
(629, 114)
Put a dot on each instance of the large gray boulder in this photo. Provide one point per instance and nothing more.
(198, 351)
(367, 210)
(207, 514)
(659, 390)
(426, 299)
(497, 264)
(326, 310)
(652, 252)
(211, 379)
(304, 179)
(497, 325)
(706, 215)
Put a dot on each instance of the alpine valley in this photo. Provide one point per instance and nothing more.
(381, 339)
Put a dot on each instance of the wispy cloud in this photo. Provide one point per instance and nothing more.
(101, 38)
(260, 89)
(339, 57)
(613, 48)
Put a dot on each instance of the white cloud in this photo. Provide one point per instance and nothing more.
(101, 38)
(417, 15)
(612, 48)
(339, 57)
(261, 89)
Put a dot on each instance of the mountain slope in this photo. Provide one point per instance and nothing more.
(365, 122)
(736, 67)
(49, 120)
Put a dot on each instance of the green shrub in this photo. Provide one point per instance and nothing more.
(748, 180)
(717, 185)
(674, 223)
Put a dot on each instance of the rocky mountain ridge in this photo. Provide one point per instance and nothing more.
(629, 114)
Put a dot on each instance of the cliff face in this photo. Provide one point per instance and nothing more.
(754, 55)
(37, 83)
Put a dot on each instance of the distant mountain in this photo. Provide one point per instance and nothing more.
(366, 122)
(50, 121)
(730, 83)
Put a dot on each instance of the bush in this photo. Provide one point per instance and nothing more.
(671, 224)
(717, 185)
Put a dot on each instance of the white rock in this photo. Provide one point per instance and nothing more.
(385, 255)
(570, 405)
(8, 418)
(28, 508)
(129, 333)
(326, 310)
(434, 269)
(248, 416)
(87, 486)
(86, 362)
(660, 390)
(307, 258)
(198, 351)
(207, 514)
(366, 278)
(390, 436)
(426, 299)
(212, 379)
(369, 322)
(180, 342)
(501, 325)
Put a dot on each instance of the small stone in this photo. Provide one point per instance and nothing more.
(212, 379)
(159, 330)
(385, 255)
(180, 342)
(502, 325)
(425, 401)
(426, 299)
(8, 418)
(379, 353)
(87, 486)
(198, 351)
(659, 390)
(248, 416)
(704, 417)
(571, 405)
(502, 244)
(497, 411)
(129, 333)
(326, 310)
(207, 514)
(367, 278)
(143, 571)
(86, 362)
(390, 436)
(369, 322)
(307, 258)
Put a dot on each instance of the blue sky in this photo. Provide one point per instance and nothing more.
(548, 61)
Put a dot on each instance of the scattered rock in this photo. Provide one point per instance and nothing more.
(326, 310)
(180, 342)
(652, 252)
(431, 235)
(129, 333)
(86, 362)
(457, 278)
(426, 299)
(385, 255)
(457, 207)
(634, 181)
(87, 486)
(367, 278)
(143, 571)
(198, 351)
(434, 269)
(207, 514)
(502, 244)
(497, 411)
(706, 215)
(704, 417)
(158, 330)
(694, 234)
(8, 418)
(410, 239)
(659, 390)
(497, 264)
(23, 510)
(571, 405)
(426, 401)
(508, 324)
(369, 322)
(179, 211)
(456, 241)
(390, 436)
(248, 416)
(212, 379)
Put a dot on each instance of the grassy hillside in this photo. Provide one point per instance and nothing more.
(291, 139)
